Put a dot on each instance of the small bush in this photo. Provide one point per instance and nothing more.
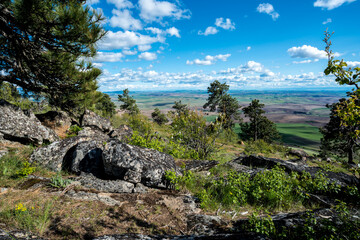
(57, 181)
(73, 131)
(25, 170)
(261, 146)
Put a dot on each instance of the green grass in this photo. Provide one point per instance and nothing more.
(300, 135)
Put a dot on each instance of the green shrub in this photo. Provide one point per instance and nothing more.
(58, 181)
(25, 170)
(73, 131)
(264, 225)
(261, 146)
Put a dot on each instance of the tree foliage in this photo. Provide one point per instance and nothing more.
(191, 130)
(221, 101)
(345, 115)
(259, 127)
(159, 117)
(42, 43)
(129, 103)
(337, 138)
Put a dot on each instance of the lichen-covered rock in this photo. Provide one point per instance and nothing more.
(94, 132)
(53, 119)
(339, 178)
(16, 126)
(136, 164)
(87, 196)
(85, 157)
(53, 155)
(123, 133)
(111, 186)
(91, 119)
(199, 224)
(299, 153)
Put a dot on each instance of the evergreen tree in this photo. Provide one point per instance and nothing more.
(337, 138)
(221, 101)
(180, 107)
(259, 127)
(159, 117)
(105, 106)
(42, 43)
(129, 103)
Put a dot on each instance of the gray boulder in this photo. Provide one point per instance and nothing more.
(123, 133)
(200, 165)
(299, 153)
(111, 186)
(85, 157)
(53, 155)
(54, 119)
(135, 164)
(339, 178)
(91, 119)
(94, 132)
(16, 126)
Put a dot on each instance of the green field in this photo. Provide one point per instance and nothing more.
(300, 135)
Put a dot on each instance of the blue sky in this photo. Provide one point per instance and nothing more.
(186, 44)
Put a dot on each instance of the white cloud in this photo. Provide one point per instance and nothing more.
(327, 21)
(129, 52)
(92, 2)
(305, 61)
(331, 4)
(227, 25)
(148, 56)
(209, 60)
(152, 10)
(124, 20)
(307, 51)
(173, 32)
(209, 31)
(108, 57)
(252, 75)
(126, 40)
(248, 48)
(143, 48)
(353, 64)
(154, 30)
(120, 4)
(268, 9)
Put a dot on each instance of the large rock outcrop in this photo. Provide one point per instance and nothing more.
(91, 119)
(16, 126)
(136, 164)
(340, 178)
(53, 155)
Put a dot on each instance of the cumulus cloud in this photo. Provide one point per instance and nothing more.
(209, 31)
(107, 57)
(173, 31)
(227, 24)
(92, 2)
(331, 4)
(127, 39)
(307, 51)
(248, 48)
(124, 20)
(120, 4)
(129, 52)
(353, 64)
(327, 21)
(251, 75)
(148, 56)
(209, 60)
(143, 48)
(268, 9)
(305, 61)
(152, 10)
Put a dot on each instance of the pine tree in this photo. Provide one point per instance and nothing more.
(129, 103)
(259, 127)
(42, 43)
(158, 117)
(221, 101)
